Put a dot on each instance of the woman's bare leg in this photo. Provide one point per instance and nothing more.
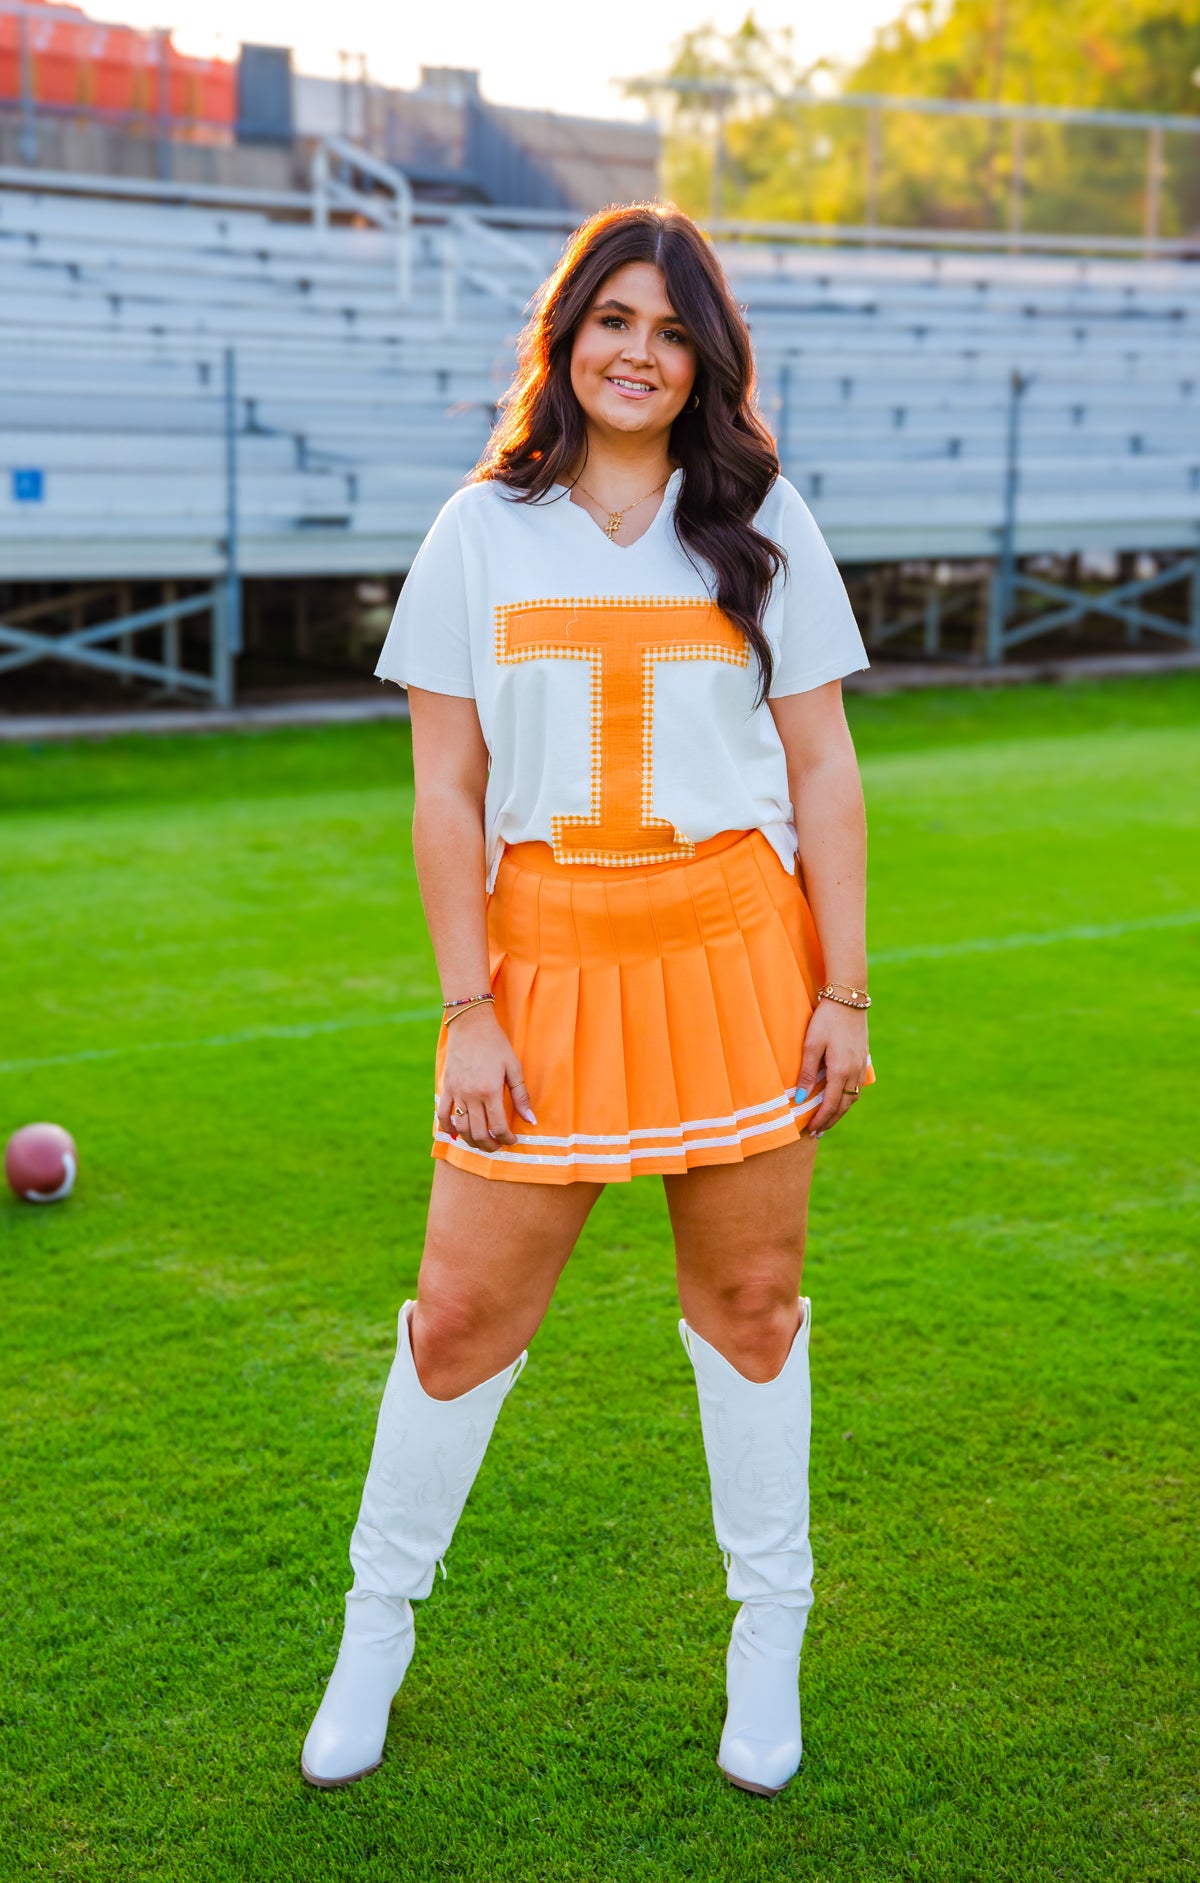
(493, 1256)
(739, 1252)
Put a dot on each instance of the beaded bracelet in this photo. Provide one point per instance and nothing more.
(454, 1009)
(861, 999)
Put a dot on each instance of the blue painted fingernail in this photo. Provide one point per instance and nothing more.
(801, 1091)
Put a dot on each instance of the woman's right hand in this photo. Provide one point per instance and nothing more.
(480, 1062)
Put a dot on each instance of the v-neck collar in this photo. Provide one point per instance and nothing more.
(665, 508)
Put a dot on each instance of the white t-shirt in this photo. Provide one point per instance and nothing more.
(616, 701)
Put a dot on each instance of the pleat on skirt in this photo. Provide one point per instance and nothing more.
(658, 1012)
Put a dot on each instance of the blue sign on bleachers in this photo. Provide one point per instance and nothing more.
(28, 486)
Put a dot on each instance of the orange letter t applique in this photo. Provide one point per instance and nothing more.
(622, 640)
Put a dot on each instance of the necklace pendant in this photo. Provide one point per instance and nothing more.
(613, 524)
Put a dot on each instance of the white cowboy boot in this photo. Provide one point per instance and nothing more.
(756, 1439)
(423, 1464)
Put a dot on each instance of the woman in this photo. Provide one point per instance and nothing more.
(623, 644)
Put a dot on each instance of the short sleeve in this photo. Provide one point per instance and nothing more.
(428, 644)
(814, 627)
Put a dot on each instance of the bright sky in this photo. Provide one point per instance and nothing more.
(552, 54)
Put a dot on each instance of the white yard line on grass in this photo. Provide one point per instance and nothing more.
(884, 957)
(995, 944)
(304, 1030)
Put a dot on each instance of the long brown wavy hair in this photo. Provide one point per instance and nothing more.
(722, 446)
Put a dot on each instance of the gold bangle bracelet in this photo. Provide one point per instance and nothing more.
(861, 1001)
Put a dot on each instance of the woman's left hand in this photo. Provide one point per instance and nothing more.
(836, 1043)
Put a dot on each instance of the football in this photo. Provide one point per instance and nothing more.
(40, 1162)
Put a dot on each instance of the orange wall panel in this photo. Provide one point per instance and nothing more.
(78, 64)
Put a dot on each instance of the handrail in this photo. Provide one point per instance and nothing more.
(525, 259)
(457, 265)
(329, 188)
(369, 165)
(399, 215)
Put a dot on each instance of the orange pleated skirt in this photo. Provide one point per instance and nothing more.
(658, 1012)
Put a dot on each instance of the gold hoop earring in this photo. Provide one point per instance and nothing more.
(695, 405)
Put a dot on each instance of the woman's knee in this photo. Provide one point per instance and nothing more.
(752, 1320)
(459, 1339)
(759, 1309)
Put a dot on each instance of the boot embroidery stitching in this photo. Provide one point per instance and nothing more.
(745, 1476)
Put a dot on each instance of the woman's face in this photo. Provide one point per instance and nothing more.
(632, 363)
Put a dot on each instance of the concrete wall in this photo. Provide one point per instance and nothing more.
(104, 150)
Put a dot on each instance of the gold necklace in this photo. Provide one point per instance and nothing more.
(617, 517)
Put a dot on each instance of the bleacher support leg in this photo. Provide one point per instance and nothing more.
(931, 639)
(125, 645)
(876, 615)
(222, 654)
(172, 644)
(993, 646)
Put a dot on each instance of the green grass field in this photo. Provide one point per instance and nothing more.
(215, 972)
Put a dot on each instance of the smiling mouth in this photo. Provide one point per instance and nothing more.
(631, 385)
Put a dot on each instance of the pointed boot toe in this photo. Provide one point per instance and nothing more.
(759, 1765)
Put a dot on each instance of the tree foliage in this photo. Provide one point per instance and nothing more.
(808, 161)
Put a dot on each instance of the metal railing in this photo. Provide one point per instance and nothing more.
(718, 96)
(336, 164)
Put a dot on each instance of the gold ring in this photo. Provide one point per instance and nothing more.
(460, 1111)
(853, 1090)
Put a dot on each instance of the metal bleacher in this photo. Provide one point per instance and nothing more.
(352, 417)
(196, 390)
(890, 378)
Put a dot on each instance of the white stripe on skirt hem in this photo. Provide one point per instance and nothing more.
(677, 1149)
